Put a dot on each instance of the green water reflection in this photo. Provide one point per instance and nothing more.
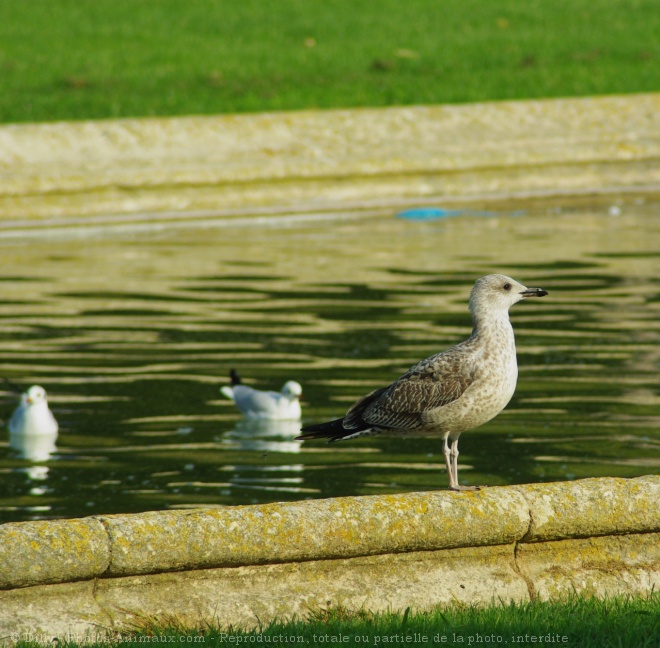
(133, 335)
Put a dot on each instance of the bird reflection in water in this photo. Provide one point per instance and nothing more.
(264, 435)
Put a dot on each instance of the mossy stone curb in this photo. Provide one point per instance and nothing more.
(334, 528)
(54, 551)
(162, 541)
(592, 507)
(100, 172)
(245, 566)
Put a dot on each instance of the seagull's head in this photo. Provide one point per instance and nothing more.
(497, 292)
(34, 395)
(292, 390)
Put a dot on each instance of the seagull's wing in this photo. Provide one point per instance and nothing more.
(407, 402)
(17, 421)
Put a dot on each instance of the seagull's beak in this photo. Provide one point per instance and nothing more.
(28, 401)
(534, 292)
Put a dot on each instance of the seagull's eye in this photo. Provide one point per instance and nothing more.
(507, 286)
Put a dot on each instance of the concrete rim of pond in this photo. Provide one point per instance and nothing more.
(177, 172)
(596, 536)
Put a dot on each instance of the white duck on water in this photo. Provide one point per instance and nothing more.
(253, 403)
(32, 427)
(452, 391)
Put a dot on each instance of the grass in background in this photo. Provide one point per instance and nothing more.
(585, 622)
(82, 59)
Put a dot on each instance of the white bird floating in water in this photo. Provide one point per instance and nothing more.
(284, 405)
(450, 392)
(32, 427)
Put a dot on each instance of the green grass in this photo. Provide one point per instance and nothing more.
(80, 59)
(576, 622)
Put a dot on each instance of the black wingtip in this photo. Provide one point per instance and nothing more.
(310, 435)
(331, 430)
(234, 377)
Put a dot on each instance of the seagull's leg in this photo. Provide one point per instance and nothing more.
(454, 460)
(447, 452)
(453, 480)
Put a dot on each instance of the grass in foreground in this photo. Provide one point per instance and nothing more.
(85, 59)
(584, 622)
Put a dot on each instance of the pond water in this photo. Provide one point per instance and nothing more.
(133, 331)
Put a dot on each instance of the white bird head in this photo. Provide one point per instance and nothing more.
(292, 389)
(36, 394)
(497, 292)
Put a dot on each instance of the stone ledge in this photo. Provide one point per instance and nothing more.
(57, 551)
(592, 507)
(313, 530)
(160, 541)
(247, 565)
(312, 159)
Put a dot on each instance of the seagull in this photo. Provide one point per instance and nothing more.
(32, 427)
(450, 392)
(284, 405)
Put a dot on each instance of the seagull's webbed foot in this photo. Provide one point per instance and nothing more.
(459, 488)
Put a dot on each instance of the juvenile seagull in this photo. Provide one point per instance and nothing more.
(284, 405)
(452, 391)
(32, 427)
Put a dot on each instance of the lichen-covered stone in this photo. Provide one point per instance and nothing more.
(318, 529)
(592, 507)
(247, 161)
(248, 563)
(597, 566)
(158, 541)
(250, 595)
(52, 551)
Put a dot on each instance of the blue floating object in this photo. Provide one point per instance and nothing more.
(433, 213)
(427, 213)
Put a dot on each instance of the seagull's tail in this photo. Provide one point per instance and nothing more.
(234, 377)
(332, 430)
